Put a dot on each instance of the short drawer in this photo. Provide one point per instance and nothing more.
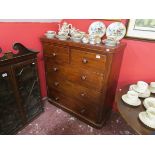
(88, 60)
(90, 112)
(58, 54)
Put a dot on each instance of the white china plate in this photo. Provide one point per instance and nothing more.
(116, 30)
(146, 120)
(97, 28)
(149, 102)
(127, 101)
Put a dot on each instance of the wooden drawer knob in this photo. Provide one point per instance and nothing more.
(56, 83)
(84, 60)
(53, 54)
(55, 69)
(83, 94)
(57, 98)
(83, 77)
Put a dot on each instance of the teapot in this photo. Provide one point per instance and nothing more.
(65, 27)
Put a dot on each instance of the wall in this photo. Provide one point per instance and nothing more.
(27, 33)
(138, 62)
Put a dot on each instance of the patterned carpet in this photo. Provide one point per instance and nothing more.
(54, 121)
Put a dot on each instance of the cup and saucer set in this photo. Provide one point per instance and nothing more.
(142, 90)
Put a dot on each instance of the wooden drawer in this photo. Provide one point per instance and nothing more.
(58, 54)
(88, 60)
(75, 91)
(90, 112)
(82, 77)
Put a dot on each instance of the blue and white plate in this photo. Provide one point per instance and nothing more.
(97, 28)
(116, 30)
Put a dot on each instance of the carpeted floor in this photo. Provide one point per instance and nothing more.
(54, 121)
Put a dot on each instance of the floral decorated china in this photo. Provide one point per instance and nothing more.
(149, 102)
(97, 28)
(116, 30)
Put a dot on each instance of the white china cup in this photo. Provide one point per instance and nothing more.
(152, 84)
(132, 95)
(142, 85)
(151, 112)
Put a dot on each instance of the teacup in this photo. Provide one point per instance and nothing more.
(152, 84)
(141, 85)
(132, 95)
(151, 112)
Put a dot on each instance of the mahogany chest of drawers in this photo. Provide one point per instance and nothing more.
(82, 78)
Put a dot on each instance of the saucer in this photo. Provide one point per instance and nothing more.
(143, 116)
(152, 89)
(149, 102)
(129, 102)
(135, 87)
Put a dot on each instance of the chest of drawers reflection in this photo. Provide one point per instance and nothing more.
(82, 78)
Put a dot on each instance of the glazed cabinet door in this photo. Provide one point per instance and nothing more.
(28, 87)
(10, 118)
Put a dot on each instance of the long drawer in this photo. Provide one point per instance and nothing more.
(90, 112)
(74, 90)
(57, 54)
(79, 76)
(89, 61)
